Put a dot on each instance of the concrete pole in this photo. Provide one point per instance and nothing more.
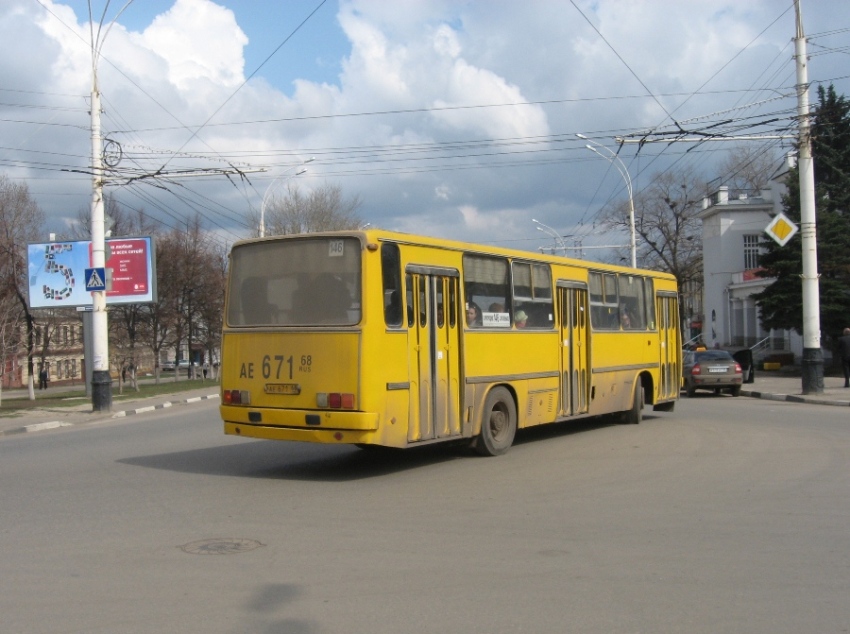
(812, 361)
(101, 379)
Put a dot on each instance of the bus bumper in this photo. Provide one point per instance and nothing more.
(304, 425)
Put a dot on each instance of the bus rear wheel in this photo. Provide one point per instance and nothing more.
(498, 427)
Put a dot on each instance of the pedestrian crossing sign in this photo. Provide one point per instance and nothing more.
(96, 279)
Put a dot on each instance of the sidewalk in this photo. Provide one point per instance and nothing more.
(41, 419)
(778, 386)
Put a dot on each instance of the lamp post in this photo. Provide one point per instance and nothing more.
(550, 231)
(615, 160)
(275, 182)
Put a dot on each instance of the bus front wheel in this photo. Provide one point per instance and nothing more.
(498, 427)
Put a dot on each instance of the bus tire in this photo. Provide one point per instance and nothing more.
(635, 414)
(498, 425)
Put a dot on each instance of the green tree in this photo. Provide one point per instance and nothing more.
(781, 303)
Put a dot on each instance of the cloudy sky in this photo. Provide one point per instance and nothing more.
(446, 117)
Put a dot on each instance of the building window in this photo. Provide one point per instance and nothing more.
(752, 248)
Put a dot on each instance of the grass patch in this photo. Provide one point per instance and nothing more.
(75, 396)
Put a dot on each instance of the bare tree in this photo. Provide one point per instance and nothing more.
(668, 230)
(190, 289)
(748, 167)
(11, 327)
(122, 221)
(666, 224)
(21, 221)
(210, 301)
(322, 209)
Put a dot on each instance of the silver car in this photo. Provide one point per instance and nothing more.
(711, 370)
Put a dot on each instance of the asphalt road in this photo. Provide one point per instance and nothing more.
(728, 515)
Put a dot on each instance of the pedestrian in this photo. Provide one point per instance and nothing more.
(42, 379)
(844, 353)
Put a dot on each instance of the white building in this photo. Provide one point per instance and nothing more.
(732, 234)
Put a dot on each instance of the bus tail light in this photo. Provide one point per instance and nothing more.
(236, 397)
(334, 400)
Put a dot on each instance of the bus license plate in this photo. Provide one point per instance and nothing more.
(283, 388)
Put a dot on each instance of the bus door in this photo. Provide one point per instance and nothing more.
(575, 348)
(667, 307)
(434, 352)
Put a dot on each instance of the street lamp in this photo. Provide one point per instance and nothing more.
(280, 179)
(615, 160)
(550, 231)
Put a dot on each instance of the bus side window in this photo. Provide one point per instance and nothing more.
(408, 280)
(391, 273)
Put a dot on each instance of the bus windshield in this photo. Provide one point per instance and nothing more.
(298, 282)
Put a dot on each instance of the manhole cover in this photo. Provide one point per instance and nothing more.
(220, 546)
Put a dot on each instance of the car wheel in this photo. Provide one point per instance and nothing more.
(735, 391)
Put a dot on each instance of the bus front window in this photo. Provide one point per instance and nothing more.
(309, 282)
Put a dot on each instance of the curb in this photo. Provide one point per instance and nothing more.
(790, 398)
(150, 408)
(55, 424)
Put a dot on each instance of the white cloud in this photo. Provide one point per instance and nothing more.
(425, 164)
(198, 40)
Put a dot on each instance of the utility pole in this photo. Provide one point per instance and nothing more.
(101, 381)
(812, 361)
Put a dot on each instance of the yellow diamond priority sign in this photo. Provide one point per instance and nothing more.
(781, 229)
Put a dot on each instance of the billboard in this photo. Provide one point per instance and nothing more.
(58, 272)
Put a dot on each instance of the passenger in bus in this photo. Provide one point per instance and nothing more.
(625, 318)
(496, 307)
(473, 314)
(255, 304)
(331, 299)
(520, 319)
(392, 311)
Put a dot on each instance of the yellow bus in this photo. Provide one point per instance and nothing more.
(377, 338)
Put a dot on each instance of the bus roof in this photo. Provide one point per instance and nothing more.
(382, 235)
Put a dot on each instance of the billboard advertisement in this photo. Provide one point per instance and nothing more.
(58, 272)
